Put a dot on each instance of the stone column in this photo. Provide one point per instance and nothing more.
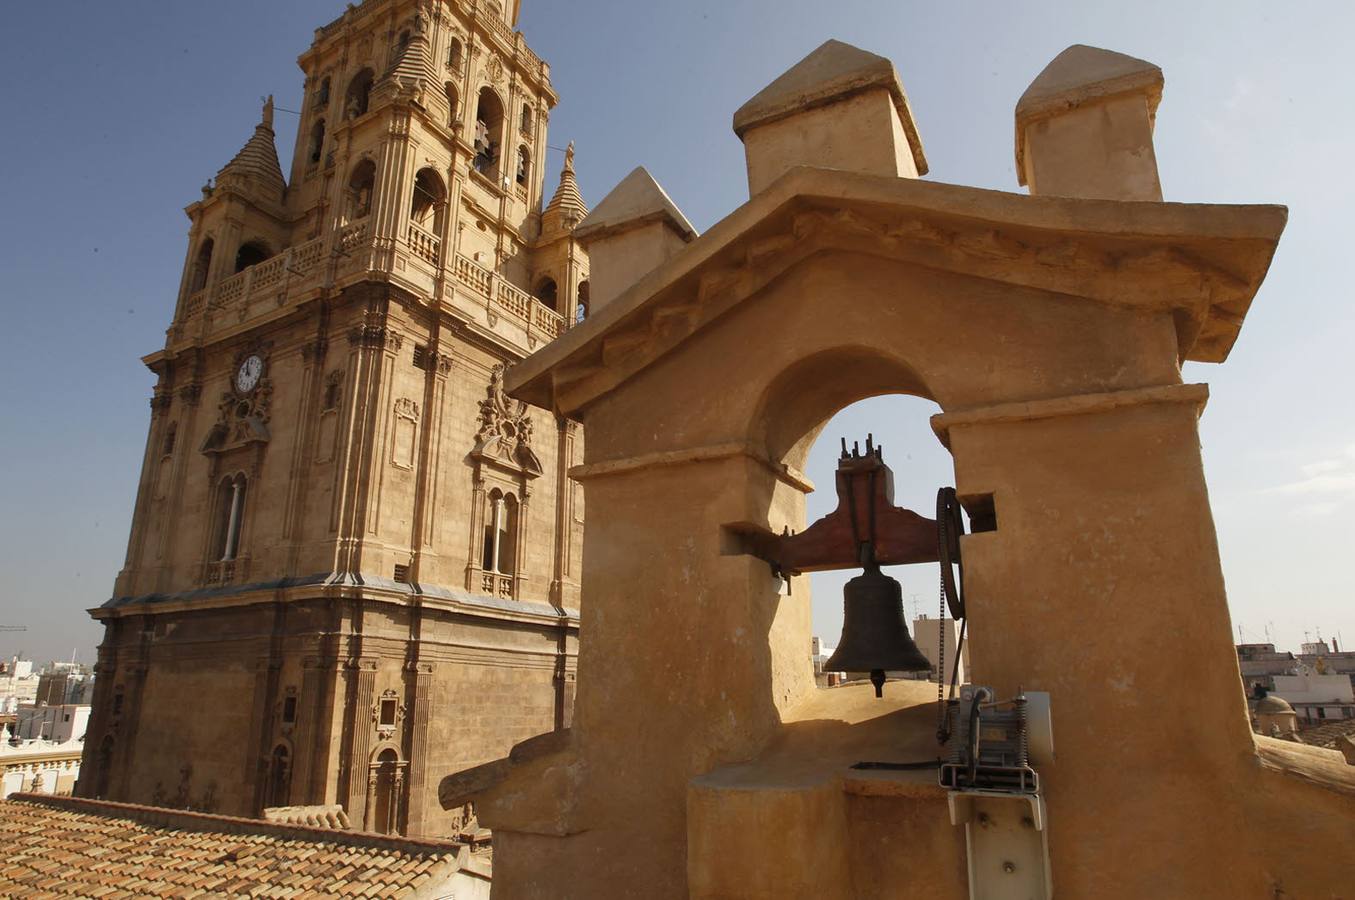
(127, 582)
(100, 719)
(308, 712)
(260, 733)
(421, 674)
(361, 731)
(564, 501)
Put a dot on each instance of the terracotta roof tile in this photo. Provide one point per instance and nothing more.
(64, 847)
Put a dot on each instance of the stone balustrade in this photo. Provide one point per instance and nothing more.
(299, 265)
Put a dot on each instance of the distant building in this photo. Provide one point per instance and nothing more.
(57, 724)
(39, 767)
(928, 633)
(1316, 698)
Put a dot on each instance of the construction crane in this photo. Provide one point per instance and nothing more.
(13, 627)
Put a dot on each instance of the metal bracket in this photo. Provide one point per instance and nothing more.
(1006, 844)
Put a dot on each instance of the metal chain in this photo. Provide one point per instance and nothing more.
(941, 649)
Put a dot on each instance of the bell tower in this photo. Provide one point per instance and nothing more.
(341, 518)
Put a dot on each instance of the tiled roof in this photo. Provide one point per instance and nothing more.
(1328, 735)
(67, 847)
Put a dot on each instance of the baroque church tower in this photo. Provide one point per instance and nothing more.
(353, 563)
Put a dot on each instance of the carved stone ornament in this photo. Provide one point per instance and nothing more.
(496, 70)
(242, 418)
(505, 433)
(387, 729)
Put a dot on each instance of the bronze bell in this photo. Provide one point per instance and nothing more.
(875, 637)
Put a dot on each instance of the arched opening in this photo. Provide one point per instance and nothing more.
(548, 292)
(453, 105)
(317, 144)
(383, 817)
(230, 518)
(202, 266)
(524, 170)
(322, 94)
(525, 121)
(103, 773)
(359, 95)
(501, 524)
(279, 787)
(488, 134)
(429, 201)
(454, 55)
(251, 253)
(885, 400)
(171, 436)
(360, 185)
(581, 310)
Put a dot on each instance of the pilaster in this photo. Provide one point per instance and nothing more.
(362, 671)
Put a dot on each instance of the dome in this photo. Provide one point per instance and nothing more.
(1272, 705)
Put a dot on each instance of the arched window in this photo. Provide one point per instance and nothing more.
(429, 201)
(524, 172)
(322, 94)
(454, 56)
(488, 134)
(453, 104)
(359, 95)
(387, 781)
(171, 436)
(279, 787)
(581, 311)
(317, 146)
(360, 185)
(202, 266)
(501, 525)
(404, 41)
(547, 292)
(251, 253)
(525, 124)
(230, 517)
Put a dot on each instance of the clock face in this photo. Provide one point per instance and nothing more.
(247, 378)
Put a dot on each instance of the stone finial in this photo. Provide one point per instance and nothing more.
(1084, 127)
(268, 113)
(629, 234)
(839, 108)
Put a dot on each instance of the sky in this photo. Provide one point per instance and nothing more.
(119, 112)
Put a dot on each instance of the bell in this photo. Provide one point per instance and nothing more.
(875, 636)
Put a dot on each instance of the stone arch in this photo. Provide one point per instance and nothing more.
(488, 139)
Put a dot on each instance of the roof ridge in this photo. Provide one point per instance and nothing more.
(183, 819)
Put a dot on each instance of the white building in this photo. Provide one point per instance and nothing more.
(56, 724)
(1316, 698)
(928, 634)
(39, 767)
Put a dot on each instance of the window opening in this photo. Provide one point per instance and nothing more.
(426, 207)
(202, 266)
(525, 126)
(289, 710)
(388, 708)
(359, 94)
(547, 292)
(322, 95)
(279, 777)
(524, 166)
(500, 547)
(401, 575)
(360, 186)
(454, 55)
(171, 435)
(251, 254)
(231, 514)
(317, 147)
(488, 128)
(581, 311)
(332, 391)
(453, 103)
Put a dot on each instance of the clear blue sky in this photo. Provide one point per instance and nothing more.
(118, 112)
